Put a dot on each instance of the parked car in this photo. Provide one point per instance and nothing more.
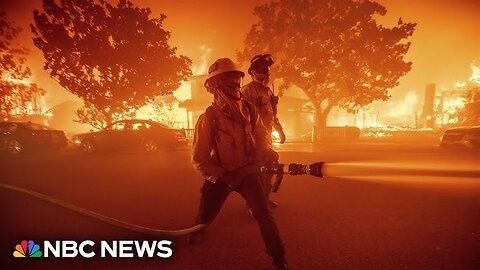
(20, 137)
(468, 137)
(144, 135)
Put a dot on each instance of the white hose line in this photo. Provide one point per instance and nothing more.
(108, 220)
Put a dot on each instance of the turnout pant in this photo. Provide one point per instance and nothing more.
(213, 197)
(267, 183)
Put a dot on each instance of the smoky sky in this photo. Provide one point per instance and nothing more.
(444, 44)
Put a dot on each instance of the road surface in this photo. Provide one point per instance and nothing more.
(381, 206)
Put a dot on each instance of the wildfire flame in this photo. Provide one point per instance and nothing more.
(406, 107)
(37, 105)
(475, 78)
(460, 84)
(201, 68)
(183, 93)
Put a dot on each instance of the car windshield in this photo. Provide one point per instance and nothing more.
(33, 126)
(119, 126)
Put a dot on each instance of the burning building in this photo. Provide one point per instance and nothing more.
(427, 118)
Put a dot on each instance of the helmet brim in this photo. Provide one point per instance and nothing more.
(216, 74)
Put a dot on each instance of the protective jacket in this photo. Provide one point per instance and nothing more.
(260, 96)
(229, 146)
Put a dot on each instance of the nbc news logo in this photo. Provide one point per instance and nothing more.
(27, 249)
(86, 249)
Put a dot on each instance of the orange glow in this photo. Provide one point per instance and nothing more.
(460, 84)
(17, 81)
(216, 28)
(406, 107)
(276, 135)
(475, 78)
(204, 61)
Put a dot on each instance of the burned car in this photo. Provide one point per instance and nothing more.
(144, 135)
(461, 137)
(21, 137)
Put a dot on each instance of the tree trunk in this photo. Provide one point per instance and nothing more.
(108, 119)
(320, 125)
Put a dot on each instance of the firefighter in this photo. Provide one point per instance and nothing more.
(259, 94)
(230, 143)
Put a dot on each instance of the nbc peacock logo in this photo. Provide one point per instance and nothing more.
(27, 249)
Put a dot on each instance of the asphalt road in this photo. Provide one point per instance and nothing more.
(381, 206)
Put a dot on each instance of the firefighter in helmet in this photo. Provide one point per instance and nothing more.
(229, 144)
(259, 94)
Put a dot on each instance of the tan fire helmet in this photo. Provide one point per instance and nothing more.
(220, 66)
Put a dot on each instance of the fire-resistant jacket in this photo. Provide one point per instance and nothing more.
(233, 150)
(260, 96)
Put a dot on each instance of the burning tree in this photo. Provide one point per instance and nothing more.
(469, 115)
(166, 110)
(17, 94)
(116, 58)
(334, 50)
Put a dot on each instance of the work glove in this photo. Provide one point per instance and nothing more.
(268, 156)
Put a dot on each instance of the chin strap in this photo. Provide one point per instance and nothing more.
(105, 219)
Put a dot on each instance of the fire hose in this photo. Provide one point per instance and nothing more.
(100, 217)
(276, 168)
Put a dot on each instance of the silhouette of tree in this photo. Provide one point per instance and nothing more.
(116, 58)
(334, 50)
(17, 94)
